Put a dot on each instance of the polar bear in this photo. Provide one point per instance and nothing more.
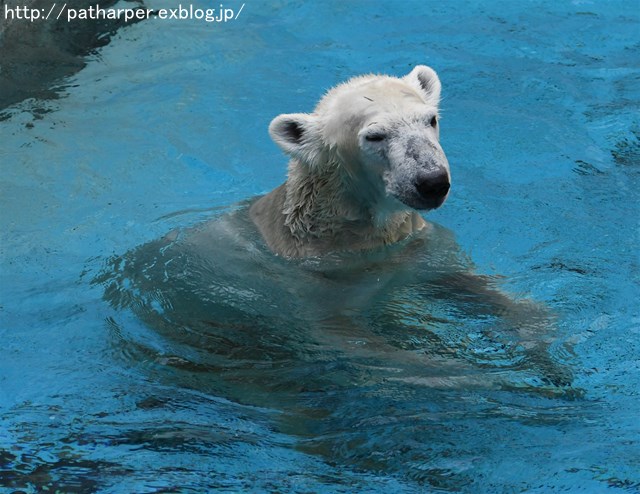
(361, 165)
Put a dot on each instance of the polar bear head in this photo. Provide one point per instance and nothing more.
(381, 133)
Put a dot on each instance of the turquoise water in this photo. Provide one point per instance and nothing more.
(136, 362)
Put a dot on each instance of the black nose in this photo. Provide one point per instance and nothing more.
(433, 186)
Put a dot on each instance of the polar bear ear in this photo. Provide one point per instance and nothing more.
(425, 80)
(298, 135)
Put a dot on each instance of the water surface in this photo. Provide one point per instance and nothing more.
(137, 362)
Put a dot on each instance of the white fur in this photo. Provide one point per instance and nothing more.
(355, 163)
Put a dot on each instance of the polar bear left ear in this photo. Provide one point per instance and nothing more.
(298, 135)
(425, 80)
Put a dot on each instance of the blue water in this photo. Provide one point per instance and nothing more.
(135, 362)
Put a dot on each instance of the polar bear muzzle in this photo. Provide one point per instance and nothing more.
(433, 187)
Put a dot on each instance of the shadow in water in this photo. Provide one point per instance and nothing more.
(36, 55)
(380, 361)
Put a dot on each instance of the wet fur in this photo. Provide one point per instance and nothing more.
(343, 192)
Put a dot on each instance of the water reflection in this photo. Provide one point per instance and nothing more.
(376, 361)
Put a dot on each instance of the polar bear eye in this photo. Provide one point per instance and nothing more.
(375, 137)
(434, 121)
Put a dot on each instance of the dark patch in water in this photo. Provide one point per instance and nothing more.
(69, 475)
(627, 151)
(35, 57)
(585, 168)
(561, 265)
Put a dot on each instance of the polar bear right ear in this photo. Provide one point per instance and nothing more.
(299, 136)
(425, 80)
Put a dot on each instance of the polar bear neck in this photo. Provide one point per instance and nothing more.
(320, 205)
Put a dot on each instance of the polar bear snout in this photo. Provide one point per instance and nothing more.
(433, 188)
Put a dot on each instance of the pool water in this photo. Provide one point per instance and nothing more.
(146, 351)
